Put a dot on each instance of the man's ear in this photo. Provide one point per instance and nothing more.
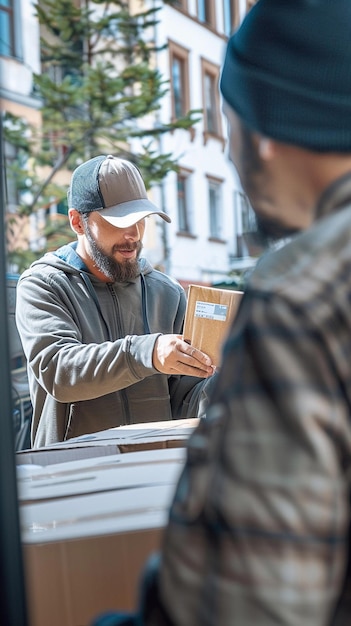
(76, 221)
(266, 147)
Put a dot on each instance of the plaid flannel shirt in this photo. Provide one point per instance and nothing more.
(258, 527)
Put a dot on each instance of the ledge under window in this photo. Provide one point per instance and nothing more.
(191, 130)
(207, 135)
(185, 233)
(217, 240)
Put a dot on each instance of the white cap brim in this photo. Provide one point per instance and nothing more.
(128, 213)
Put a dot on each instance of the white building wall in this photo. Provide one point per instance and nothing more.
(195, 259)
(189, 259)
(16, 73)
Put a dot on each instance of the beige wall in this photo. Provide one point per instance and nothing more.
(32, 115)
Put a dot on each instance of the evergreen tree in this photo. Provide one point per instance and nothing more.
(100, 91)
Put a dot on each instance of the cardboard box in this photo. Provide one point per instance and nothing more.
(61, 454)
(149, 468)
(84, 555)
(135, 437)
(143, 457)
(208, 318)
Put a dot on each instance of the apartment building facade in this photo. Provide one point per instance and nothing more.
(205, 243)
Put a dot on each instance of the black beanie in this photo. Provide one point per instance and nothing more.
(287, 72)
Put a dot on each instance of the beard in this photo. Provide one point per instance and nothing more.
(107, 264)
(269, 230)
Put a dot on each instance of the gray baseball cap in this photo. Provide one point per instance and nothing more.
(115, 188)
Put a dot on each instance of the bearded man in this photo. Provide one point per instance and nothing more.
(100, 328)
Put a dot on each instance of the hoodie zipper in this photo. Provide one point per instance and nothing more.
(87, 281)
(122, 392)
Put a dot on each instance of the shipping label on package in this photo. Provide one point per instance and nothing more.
(211, 311)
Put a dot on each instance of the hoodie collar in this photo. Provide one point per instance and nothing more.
(69, 255)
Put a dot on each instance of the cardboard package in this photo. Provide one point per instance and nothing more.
(127, 471)
(87, 530)
(62, 453)
(208, 316)
(84, 555)
(135, 437)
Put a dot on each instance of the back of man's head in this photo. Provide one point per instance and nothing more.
(287, 72)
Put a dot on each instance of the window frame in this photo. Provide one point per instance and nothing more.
(233, 7)
(209, 5)
(215, 234)
(213, 71)
(11, 191)
(248, 241)
(9, 12)
(184, 174)
(181, 54)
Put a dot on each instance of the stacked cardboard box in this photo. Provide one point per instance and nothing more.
(101, 474)
(89, 524)
(88, 528)
(136, 437)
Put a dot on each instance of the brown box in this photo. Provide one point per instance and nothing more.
(135, 437)
(84, 555)
(208, 316)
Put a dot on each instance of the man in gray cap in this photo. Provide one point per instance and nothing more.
(259, 527)
(100, 328)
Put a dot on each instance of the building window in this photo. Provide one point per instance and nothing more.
(230, 16)
(206, 12)
(248, 240)
(179, 71)
(215, 208)
(178, 86)
(17, 185)
(247, 215)
(12, 196)
(211, 105)
(7, 36)
(183, 203)
(181, 4)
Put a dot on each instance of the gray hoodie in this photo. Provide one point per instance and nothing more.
(89, 348)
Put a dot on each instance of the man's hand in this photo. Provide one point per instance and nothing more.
(172, 355)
